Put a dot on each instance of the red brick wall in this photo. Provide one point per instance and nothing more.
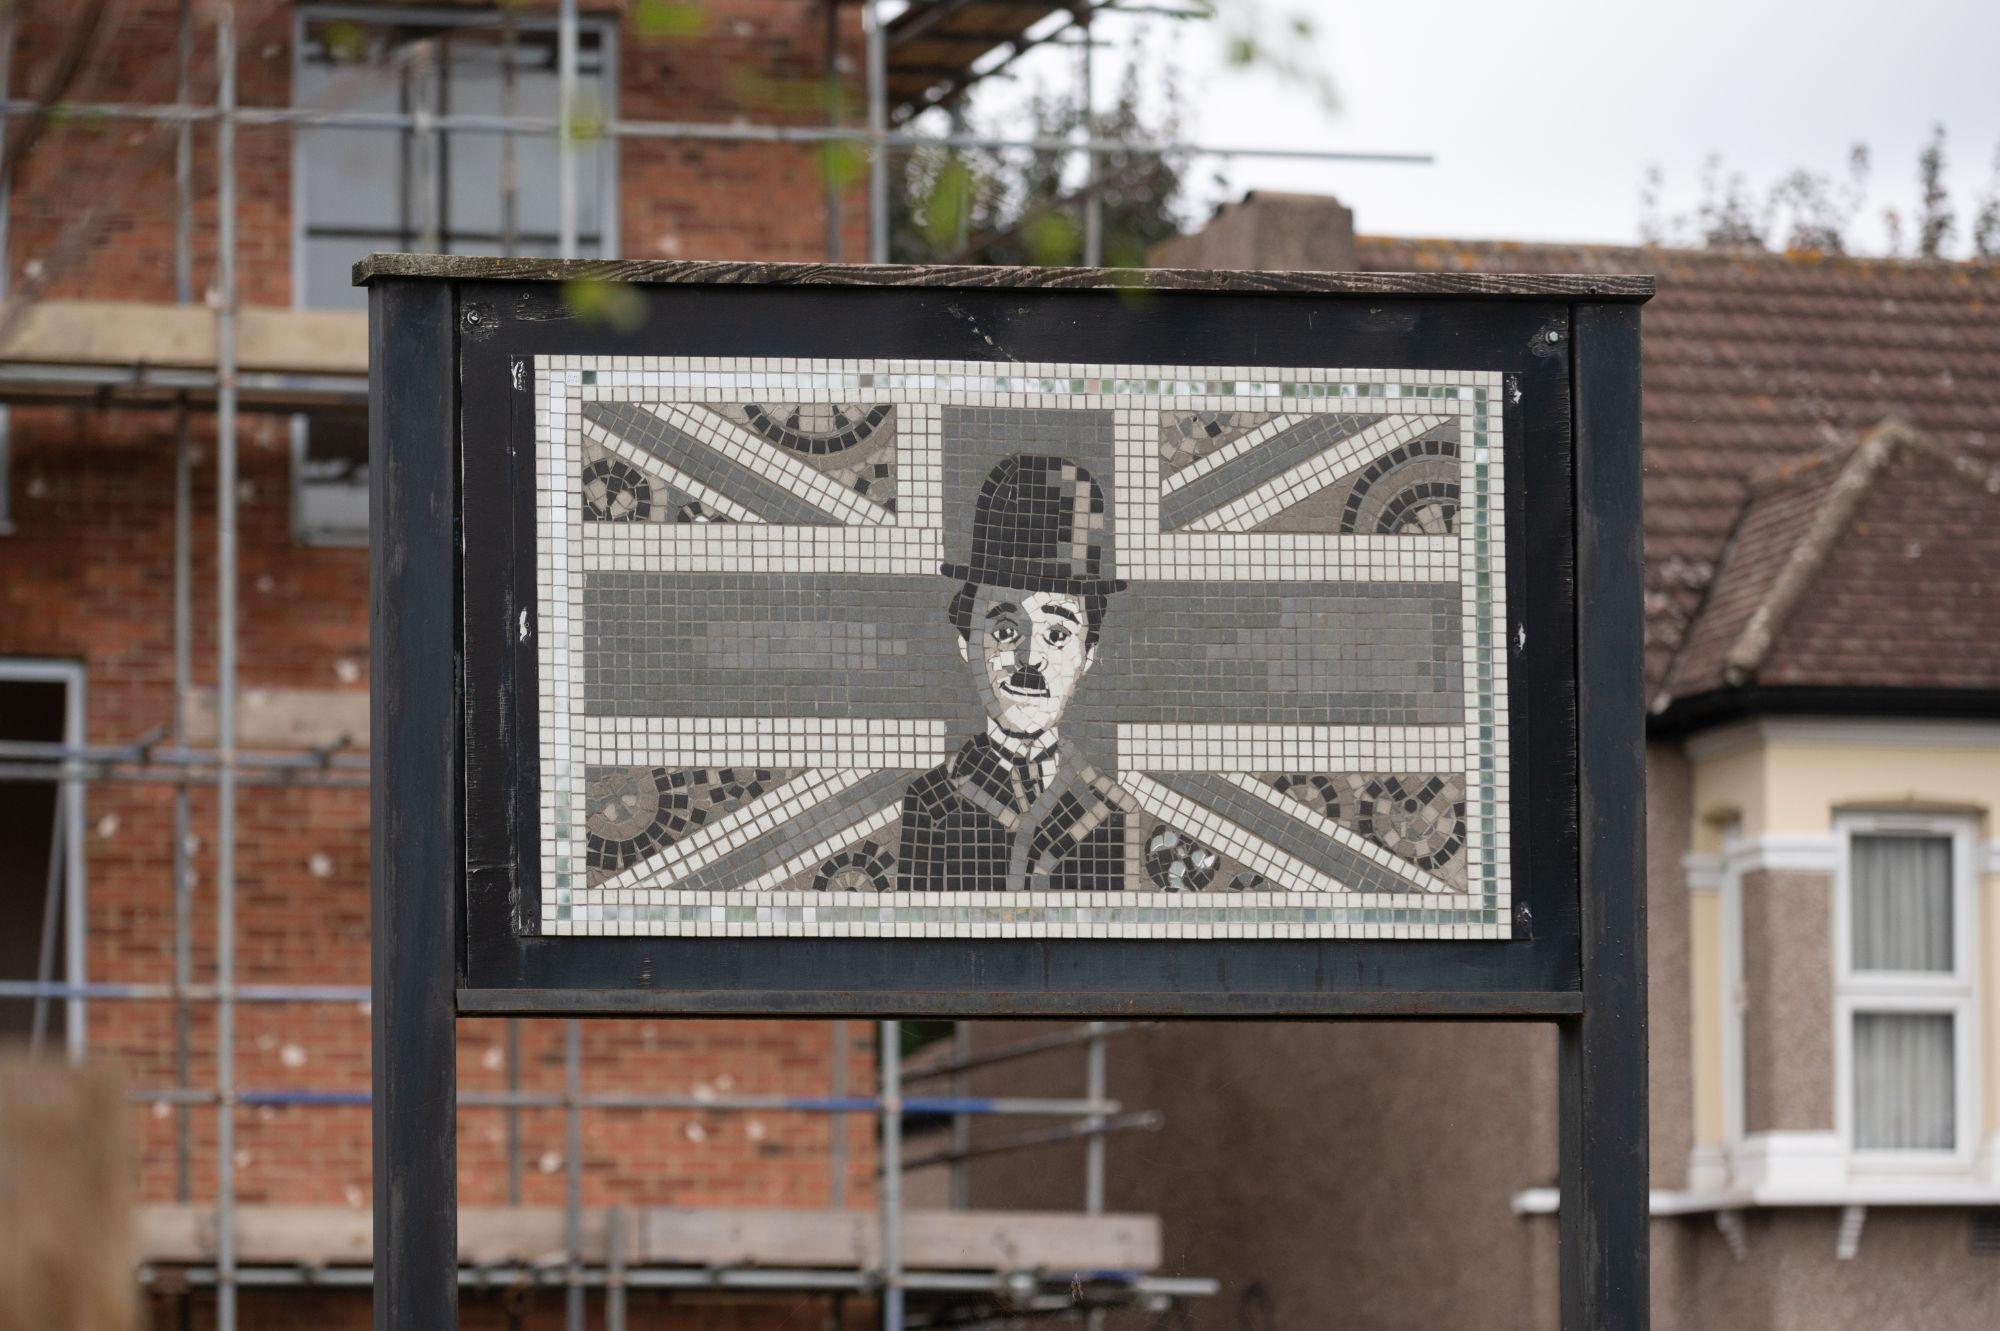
(92, 208)
(88, 577)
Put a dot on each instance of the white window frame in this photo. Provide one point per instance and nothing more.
(1955, 993)
(1735, 1095)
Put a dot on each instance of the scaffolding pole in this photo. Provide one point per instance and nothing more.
(225, 667)
(1095, 1084)
(833, 114)
(573, 1173)
(1093, 197)
(183, 883)
(566, 91)
(889, 1059)
(878, 132)
(9, 20)
(961, 1124)
(701, 131)
(837, 1148)
(52, 900)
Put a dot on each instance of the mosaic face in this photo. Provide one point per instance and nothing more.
(910, 648)
(1030, 656)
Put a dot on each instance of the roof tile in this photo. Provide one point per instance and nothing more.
(1756, 360)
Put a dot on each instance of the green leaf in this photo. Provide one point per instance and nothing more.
(669, 19)
(1053, 239)
(947, 205)
(841, 162)
(345, 42)
(586, 119)
(594, 300)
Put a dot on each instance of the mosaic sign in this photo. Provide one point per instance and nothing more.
(947, 649)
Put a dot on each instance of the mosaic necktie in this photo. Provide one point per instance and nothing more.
(1028, 776)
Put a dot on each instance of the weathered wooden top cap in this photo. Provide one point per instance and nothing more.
(1519, 286)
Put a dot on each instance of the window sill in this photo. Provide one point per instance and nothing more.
(1860, 1192)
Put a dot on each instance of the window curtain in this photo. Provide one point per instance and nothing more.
(1901, 903)
(1905, 1085)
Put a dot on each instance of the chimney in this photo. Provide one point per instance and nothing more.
(1268, 230)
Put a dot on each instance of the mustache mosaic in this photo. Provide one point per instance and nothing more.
(952, 649)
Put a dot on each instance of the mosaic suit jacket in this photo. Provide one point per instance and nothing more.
(966, 827)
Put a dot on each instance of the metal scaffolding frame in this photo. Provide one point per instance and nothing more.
(166, 755)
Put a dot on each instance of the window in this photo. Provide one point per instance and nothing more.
(41, 854)
(1906, 987)
(359, 190)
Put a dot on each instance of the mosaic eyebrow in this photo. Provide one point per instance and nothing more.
(1004, 608)
(1064, 611)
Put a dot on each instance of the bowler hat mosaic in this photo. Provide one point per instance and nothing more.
(1039, 524)
(828, 648)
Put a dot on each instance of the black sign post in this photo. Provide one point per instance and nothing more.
(1303, 611)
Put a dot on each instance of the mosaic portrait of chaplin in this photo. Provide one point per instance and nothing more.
(1017, 807)
(974, 651)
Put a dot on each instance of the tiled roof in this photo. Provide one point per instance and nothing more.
(1753, 361)
(1870, 566)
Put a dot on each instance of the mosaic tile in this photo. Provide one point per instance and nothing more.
(945, 649)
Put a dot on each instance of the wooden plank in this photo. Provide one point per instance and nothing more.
(698, 273)
(1603, 1159)
(417, 838)
(673, 1236)
(131, 333)
(934, 1240)
(284, 718)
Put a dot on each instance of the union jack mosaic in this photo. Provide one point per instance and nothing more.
(953, 649)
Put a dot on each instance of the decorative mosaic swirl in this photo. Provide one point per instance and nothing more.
(634, 812)
(1322, 794)
(696, 511)
(1176, 862)
(865, 868)
(1411, 489)
(816, 429)
(615, 491)
(731, 785)
(1424, 824)
(1187, 435)
(873, 478)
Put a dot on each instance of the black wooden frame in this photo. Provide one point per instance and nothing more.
(452, 510)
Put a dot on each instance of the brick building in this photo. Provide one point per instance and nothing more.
(106, 375)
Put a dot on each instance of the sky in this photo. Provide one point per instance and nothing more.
(1544, 115)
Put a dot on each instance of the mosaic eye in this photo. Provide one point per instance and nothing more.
(1005, 633)
(1057, 636)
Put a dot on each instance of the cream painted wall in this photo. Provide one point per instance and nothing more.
(1786, 779)
(1790, 777)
